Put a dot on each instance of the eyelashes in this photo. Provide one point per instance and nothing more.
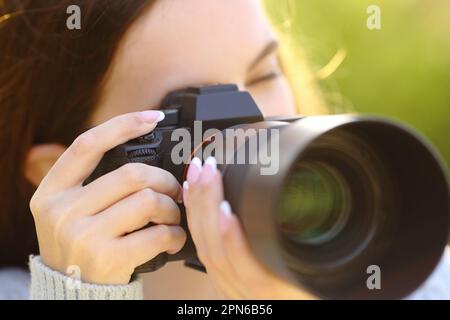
(267, 77)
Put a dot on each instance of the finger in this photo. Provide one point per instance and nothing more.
(193, 207)
(126, 180)
(236, 247)
(83, 155)
(205, 194)
(136, 211)
(195, 167)
(194, 170)
(192, 174)
(143, 245)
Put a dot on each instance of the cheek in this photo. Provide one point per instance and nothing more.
(274, 98)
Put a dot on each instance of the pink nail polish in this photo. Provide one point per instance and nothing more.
(224, 217)
(194, 171)
(209, 169)
(152, 116)
(225, 208)
(212, 162)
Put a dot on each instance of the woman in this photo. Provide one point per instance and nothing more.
(56, 83)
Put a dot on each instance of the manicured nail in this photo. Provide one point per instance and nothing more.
(225, 208)
(195, 168)
(197, 162)
(152, 116)
(212, 162)
(185, 185)
(209, 169)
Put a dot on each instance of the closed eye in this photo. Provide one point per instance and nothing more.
(266, 59)
(264, 78)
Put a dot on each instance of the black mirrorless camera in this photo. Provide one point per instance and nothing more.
(349, 192)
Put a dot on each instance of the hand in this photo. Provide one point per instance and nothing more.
(94, 227)
(221, 245)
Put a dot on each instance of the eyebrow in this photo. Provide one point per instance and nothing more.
(267, 50)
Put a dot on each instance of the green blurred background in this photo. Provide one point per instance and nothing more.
(402, 70)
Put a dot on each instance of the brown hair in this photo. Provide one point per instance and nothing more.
(50, 79)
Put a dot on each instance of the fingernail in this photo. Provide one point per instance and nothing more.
(152, 116)
(212, 162)
(195, 168)
(225, 208)
(197, 162)
(186, 185)
(209, 169)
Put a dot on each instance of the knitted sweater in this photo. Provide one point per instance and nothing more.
(50, 284)
(47, 283)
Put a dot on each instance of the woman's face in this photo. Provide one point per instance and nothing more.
(177, 43)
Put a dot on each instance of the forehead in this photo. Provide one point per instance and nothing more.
(176, 43)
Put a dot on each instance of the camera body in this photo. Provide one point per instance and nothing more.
(215, 107)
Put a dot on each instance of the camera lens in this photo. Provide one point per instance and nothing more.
(348, 195)
(315, 203)
(328, 214)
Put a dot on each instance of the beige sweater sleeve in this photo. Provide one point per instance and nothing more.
(48, 284)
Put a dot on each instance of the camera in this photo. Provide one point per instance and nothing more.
(340, 194)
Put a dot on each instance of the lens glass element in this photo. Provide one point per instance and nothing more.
(315, 203)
